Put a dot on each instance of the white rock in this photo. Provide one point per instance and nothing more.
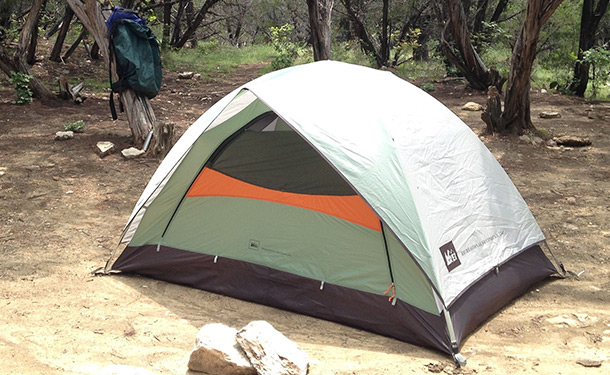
(543, 91)
(218, 353)
(186, 75)
(104, 148)
(132, 152)
(563, 320)
(472, 106)
(62, 136)
(549, 114)
(527, 138)
(571, 227)
(3, 171)
(124, 370)
(270, 352)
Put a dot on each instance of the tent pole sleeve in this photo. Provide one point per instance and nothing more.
(392, 287)
(387, 252)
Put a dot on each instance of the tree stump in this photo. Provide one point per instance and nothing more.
(163, 139)
(492, 116)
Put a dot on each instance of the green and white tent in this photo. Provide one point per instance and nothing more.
(345, 193)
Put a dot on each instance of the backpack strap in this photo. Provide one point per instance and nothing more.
(110, 59)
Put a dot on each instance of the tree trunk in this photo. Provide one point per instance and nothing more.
(61, 36)
(31, 52)
(167, 15)
(320, 15)
(192, 28)
(94, 53)
(74, 45)
(468, 62)
(495, 17)
(516, 116)
(479, 16)
(140, 114)
(385, 38)
(589, 22)
(178, 20)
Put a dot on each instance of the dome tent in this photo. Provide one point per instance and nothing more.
(344, 193)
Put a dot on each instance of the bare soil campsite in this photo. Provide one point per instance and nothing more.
(62, 210)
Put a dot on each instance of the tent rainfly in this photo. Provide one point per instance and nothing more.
(344, 193)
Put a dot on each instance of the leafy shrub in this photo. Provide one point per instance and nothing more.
(287, 50)
(75, 126)
(22, 88)
(427, 86)
(599, 61)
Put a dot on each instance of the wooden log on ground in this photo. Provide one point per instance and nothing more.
(67, 91)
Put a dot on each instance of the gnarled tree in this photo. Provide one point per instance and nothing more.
(515, 118)
(466, 60)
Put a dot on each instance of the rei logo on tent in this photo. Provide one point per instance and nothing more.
(450, 256)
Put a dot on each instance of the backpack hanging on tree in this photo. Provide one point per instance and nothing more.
(136, 52)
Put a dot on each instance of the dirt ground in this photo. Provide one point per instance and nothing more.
(62, 210)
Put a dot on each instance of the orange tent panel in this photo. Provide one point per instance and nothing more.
(211, 183)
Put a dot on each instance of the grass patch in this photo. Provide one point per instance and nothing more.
(211, 58)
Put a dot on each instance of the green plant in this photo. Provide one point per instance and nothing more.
(599, 61)
(287, 50)
(544, 133)
(22, 89)
(75, 126)
(427, 86)
(403, 49)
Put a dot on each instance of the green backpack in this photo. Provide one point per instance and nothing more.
(135, 47)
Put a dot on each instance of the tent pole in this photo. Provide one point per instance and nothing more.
(387, 254)
(458, 358)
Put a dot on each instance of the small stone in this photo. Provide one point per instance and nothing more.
(131, 153)
(186, 75)
(571, 200)
(549, 114)
(472, 106)
(543, 91)
(270, 352)
(572, 141)
(531, 139)
(551, 143)
(104, 148)
(55, 178)
(3, 171)
(435, 367)
(563, 320)
(197, 76)
(62, 136)
(589, 363)
(217, 352)
(571, 227)
(525, 138)
(70, 192)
